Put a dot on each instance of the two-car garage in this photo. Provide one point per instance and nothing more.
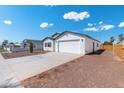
(69, 46)
(71, 42)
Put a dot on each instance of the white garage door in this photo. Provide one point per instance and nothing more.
(72, 46)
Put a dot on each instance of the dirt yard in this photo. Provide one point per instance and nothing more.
(21, 54)
(102, 69)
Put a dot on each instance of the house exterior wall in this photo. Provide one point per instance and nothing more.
(36, 43)
(1, 46)
(68, 36)
(48, 48)
(89, 45)
(71, 43)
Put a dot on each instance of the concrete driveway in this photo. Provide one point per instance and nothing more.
(7, 77)
(25, 67)
(98, 70)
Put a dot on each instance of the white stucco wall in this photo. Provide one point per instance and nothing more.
(68, 36)
(48, 48)
(89, 45)
(71, 42)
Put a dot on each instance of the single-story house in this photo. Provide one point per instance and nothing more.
(37, 44)
(10, 47)
(24, 46)
(70, 42)
(1, 46)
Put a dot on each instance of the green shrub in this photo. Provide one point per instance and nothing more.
(31, 47)
(107, 43)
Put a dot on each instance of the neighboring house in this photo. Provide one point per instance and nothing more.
(71, 42)
(11, 47)
(37, 44)
(24, 46)
(1, 46)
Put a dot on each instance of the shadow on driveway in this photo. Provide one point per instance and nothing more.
(98, 52)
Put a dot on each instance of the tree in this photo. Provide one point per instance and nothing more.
(4, 44)
(24, 45)
(11, 43)
(121, 38)
(31, 47)
(112, 40)
(107, 43)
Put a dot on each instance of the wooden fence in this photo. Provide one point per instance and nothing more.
(117, 49)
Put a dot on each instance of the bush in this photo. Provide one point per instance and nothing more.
(107, 43)
(31, 47)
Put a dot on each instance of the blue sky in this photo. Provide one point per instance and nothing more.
(36, 22)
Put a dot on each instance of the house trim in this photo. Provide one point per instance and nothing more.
(75, 33)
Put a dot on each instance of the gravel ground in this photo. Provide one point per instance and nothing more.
(101, 70)
(21, 54)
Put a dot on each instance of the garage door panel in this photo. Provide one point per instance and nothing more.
(69, 46)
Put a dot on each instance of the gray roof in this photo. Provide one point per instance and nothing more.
(55, 35)
(75, 33)
(30, 40)
(48, 38)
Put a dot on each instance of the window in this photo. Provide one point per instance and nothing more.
(45, 44)
(97, 45)
(82, 40)
(48, 44)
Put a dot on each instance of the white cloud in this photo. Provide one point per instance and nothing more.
(46, 25)
(106, 27)
(89, 24)
(99, 28)
(91, 29)
(101, 22)
(76, 16)
(7, 22)
(51, 24)
(121, 24)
